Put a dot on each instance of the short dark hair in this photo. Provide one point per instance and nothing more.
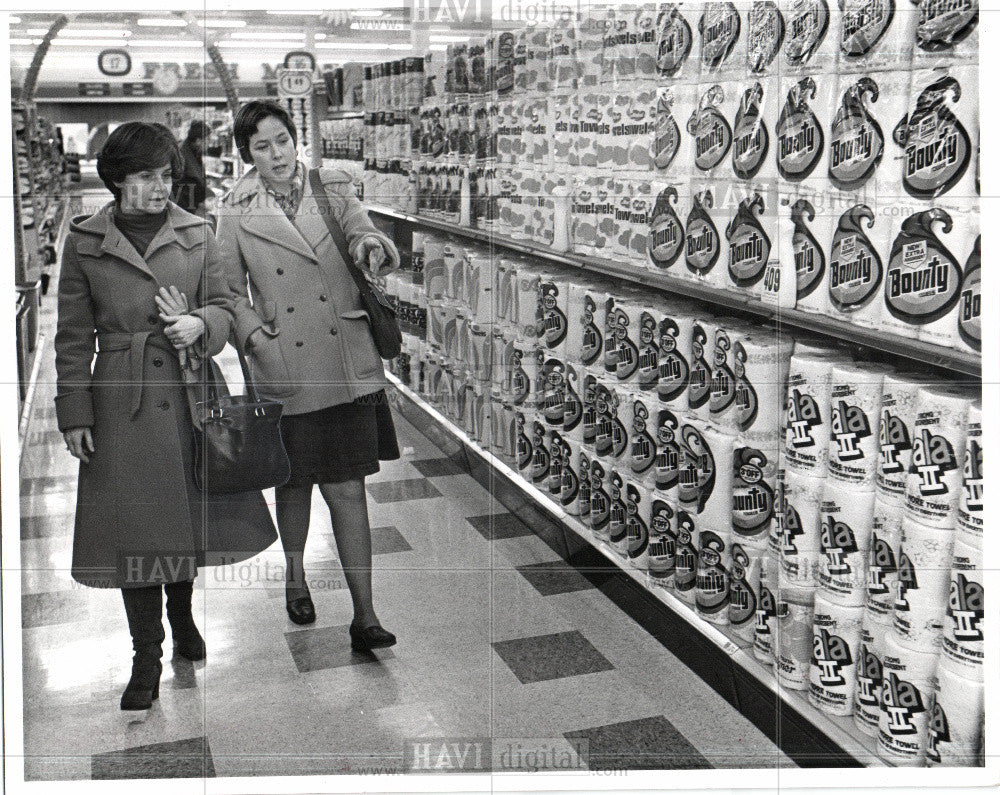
(137, 146)
(198, 130)
(250, 115)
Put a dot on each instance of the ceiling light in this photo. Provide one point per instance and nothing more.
(157, 22)
(59, 42)
(251, 35)
(165, 43)
(223, 23)
(270, 45)
(438, 47)
(14, 20)
(84, 33)
(25, 42)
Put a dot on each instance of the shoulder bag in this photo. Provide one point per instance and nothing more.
(381, 316)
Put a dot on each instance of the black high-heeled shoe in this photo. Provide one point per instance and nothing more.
(368, 638)
(301, 609)
(188, 642)
(144, 685)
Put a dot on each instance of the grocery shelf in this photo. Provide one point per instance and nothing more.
(946, 359)
(847, 744)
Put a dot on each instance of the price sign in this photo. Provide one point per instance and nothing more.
(94, 89)
(114, 63)
(137, 89)
(294, 83)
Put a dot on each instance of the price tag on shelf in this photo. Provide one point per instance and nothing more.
(294, 83)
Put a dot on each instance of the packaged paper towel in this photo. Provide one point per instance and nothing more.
(600, 499)
(611, 441)
(766, 614)
(675, 330)
(750, 233)
(667, 465)
(856, 269)
(876, 36)
(762, 361)
(722, 41)
(588, 396)
(754, 478)
(703, 333)
(801, 228)
(672, 144)
(572, 423)
(722, 394)
(618, 517)
(802, 529)
(712, 584)
(868, 689)
(955, 726)
(883, 560)
(934, 480)
(541, 456)
(662, 541)
(962, 639)
(553, 291)
(969, 523)
(686, 565)
(585, 312)
(907, 693)
(859, 130)
(705, 480)
(855, 402)
(922, 589)
(678, 44)
(811, 42)
(970, 302)
(899, 395)
(569, 485)
(794, 646)
(808, 435)
(582, 456)
(558, 460)
(765, 33)
(705, 221)
(711, 129)
(752, 158)
(638, 516)
(846, 515)
(665, 238)
(946, 33)
(552, 385)
(744, 590)
(836, 655)
(644, 26)
(807, 105)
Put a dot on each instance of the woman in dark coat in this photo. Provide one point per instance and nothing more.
(300, 321)
(128, 274)
(191, 189)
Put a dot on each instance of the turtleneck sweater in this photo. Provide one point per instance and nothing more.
(139, 228)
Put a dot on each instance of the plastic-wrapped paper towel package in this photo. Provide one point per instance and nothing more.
(846, 515)
(807, 440)
(868, 687)
(876, 36)
(899, 395)
(753, 502)
(969, 522)
(922, 588)
(793, 649)
(744, 590)
(662, 552)
(955, 725)
(855, 401)
(802, 526)
(704, 224)
(638, 507)
(883, 561)
(811, 41)
(723, 41)
(962, 638)
(766, 614)
(946, 32)
(835, 659)
(907, 693)
(710, 128)
(686, 561)
(678, 50)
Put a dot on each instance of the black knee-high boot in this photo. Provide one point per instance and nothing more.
(187, 638)
(144, 610)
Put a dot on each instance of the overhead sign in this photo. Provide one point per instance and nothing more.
(114, 63)
(300, 59)
(94, 89)
(137, 89)
(294, 83)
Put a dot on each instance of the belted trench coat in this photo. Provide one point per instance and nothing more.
(140, 519)
(316, 349)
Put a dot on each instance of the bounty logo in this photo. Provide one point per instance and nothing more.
(869, 678)
(937, 732)
(712, 134)
(881, 562)
(837, 542)
(753, 498)
(863, 24)
(965, 607)
(800, 137)
(933, 456)
(893, 440)
(674, 40)
(554, 323)
(902, 702)
(831, 655)
(767, 31)
(849, 425)
(593, 341)
(808, 22)
(907, 582)
(803, 416)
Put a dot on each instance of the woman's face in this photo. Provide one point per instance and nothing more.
(273, 151)
(146, 191)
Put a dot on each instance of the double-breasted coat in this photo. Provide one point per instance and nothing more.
(316, 349)
(140, 519)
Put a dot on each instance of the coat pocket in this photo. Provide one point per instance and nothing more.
(268, 367)
(362, 347)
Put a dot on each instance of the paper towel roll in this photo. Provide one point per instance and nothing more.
(969, 521)
(899, 396)
(856, 264)
(776, 532)
(553, 289)
(712, 584)
(794, 642)
(922, 589)
(802, 529)
(613, 422)
(541, 457)
(780, 278)
(675, 338)
(883, 561)
(643, 434)
(710, 127)
(706, 476)
(523, 362)
(618, 517)
(590, 33)
(811, 42)
(638, 517)
(744, 590)
(672, 147)
(761, 365)
(846, 515)
(855, 402)
(804, 232)
(662, 551)
(946, 35)
(527, 306)
(907, 691)
(806, 111)
(700, 378)
(934, 480)
(600, 499)
(588, 396)
(624, 324)
(558, 460)
(970, 304)
(644, 25)
(582, 457)
(704, 223)
(766, 616)
(876, 36)
(523, 441)
(722, 392)
(552, 390)
(836, 655)
(753, 500)
(868, 687)
(434, 273)
(808, 434)
(585, 337)
(569, 482)
(572, 418)
(962, 637)
(752, 156)
(686, 565)
(765, 32)
(678, 51)
(666, 476)
(954, 732)
(723, 41)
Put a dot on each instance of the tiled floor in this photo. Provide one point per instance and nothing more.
(498, 639)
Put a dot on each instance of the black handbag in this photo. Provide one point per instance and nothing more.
(381, 316)
(238, 443)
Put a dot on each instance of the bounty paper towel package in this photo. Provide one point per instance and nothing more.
(665, 235)
(806, 106)
(642, 412)
(673, 360)
(751, 154)
(722, 41)
(638, 508)
(710, 127)
(754, 481)
(970, 302)
(811, 42)
(618, 515)
(744, 590)
(946, 33)
(673, 153)
(876, 36)
(668, 456)
(712, 584)
(686, 561)
(751, 232)
(662, 541)
(856, 266)
(700, 376)
(704, 224)
(678, 44)
(765, 34)
(802, 228)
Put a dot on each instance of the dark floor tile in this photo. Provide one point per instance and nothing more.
(322, 648)
(57, 607)
(493, 526)
(179, 759)
(554, 577)
(644, 744)
(386, 540)
(438, 467)
(555, 656)
(47, 484)
(48, 526)
(400, 490)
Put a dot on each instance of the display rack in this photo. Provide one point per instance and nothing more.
(725, 661)
(954, 363)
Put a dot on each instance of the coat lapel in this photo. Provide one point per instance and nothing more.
(269, 222)
(117, 245)
(310, 221)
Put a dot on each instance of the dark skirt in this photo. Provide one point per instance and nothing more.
(339, 443)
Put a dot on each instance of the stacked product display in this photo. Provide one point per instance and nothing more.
(820, 505)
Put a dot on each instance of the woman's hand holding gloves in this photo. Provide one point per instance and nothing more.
(183, 329)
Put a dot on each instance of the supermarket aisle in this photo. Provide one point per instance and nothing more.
(498, 639)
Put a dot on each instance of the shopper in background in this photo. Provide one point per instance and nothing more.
(310, 346)
(129, 274)
(191, 189)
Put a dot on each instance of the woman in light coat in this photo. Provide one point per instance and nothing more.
(300, 321)
(128, 274)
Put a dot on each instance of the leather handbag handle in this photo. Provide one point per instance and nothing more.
(319, 193)
(247, 380)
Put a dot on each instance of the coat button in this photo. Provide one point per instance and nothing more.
(333, 332)
(157, 362)
(291, 309)
(299, 344)
(280, 271)
(322, 298)
(163, 405)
